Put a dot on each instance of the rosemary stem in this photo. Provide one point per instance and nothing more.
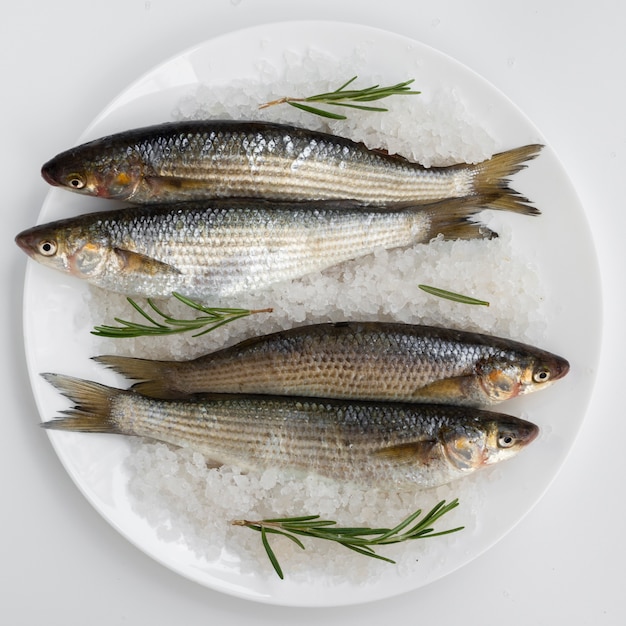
(352, 98)
(359, 539)
(211, 318)
(284, 100)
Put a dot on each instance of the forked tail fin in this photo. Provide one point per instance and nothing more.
(92, 413)
(492, 177)
(452, 218)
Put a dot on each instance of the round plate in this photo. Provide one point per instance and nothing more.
(57, 327)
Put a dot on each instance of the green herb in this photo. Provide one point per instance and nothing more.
(450, 295)
(343, 97)
(361, 540)
(212, 318)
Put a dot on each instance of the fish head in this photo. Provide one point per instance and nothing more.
(85, 170)
(518, 373)
(66, 247)
(542, 370)
(506, 437)
(486, 440)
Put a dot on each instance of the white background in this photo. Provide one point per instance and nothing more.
(561, 62)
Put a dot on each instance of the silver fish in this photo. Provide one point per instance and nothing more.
(195, 160)
(358, 360)
(226, 247)
(391, 444)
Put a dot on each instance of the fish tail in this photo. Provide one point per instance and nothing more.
(153, 374)
(491, 178)
(92, 413)
(452, 219)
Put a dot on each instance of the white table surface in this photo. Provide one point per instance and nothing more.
(562, 63)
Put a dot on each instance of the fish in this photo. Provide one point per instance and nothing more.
(226, 247)
(377, 361)
(198, 160)
(404, 445)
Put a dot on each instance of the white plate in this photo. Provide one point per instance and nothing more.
(57, 328)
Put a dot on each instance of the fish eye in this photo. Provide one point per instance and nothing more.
(47, 247)
(506, 441)
(75, 181)
(541, 374)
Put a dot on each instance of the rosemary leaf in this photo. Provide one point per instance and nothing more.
(445, 532)
(365, 551)
(359, 539)
(213, 318)
(316, 111)
(401, 526)
(330, 94)
(348, 82)
(451, 295)
(294, 539)
(361, 107)
(293, 520)
(143, 313)
(271, 555)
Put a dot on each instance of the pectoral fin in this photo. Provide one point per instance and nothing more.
(459, 389)
(171, 184)
(410, 452)
(135, 262)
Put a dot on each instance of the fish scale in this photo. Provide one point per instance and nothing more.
(245, 159)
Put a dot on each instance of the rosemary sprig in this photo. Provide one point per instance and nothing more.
(361, 540)
(346, 98)
(212, 318)
(450, 295)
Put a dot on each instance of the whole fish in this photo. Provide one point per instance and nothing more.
(195, 160)
(225, 247)
(357, 360)
(402, 445)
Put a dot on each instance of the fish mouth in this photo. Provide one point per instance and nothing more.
(560, 368)
(528, 432)
(525, 432)
(25, 241)
(48, 171)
